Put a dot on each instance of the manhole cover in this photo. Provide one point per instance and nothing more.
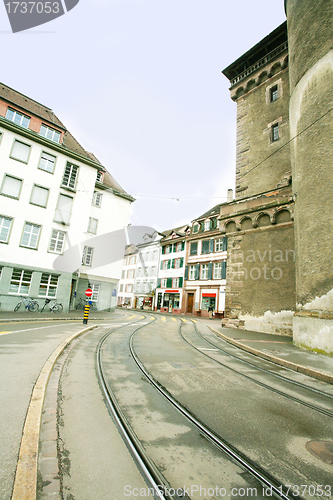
(322, 450)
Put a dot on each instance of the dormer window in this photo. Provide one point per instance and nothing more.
(50, 133)
(207, 225)
(99, 177)
(18, 118)
(195, 227)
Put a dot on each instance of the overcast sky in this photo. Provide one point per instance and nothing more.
(139, 84)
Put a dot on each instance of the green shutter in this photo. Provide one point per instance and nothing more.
(169, 263)
(224, 243)
(173, 263)
(163, 250)
(210, 270)
(197, 271)
(181, 262)
(205, 246)
(169, 282)
(211, 245)
(161, 264)
(224, 270)
(194, 248)
(186, 272)
(181, 282)
(158, 283)
(214, 223)
(174, 247)
(183, 245)
(202, 226)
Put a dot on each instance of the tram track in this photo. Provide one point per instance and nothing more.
(152, 474)
(295, 399)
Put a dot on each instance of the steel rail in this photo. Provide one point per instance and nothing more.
(148, 469)
(328, 413)
(247, 464)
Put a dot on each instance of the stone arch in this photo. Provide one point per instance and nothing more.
(276, 68)
(263, 219)
(239, 92)
(285, 62)
(262, 77)
(246, 223)
(250, 85)
(230, 227)
(282, 216)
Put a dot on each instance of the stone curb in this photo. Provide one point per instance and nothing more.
(15, 320)
(311, 372)
(25, 483)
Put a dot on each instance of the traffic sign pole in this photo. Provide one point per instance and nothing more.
(88, 293)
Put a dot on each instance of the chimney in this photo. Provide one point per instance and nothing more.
(230, 196)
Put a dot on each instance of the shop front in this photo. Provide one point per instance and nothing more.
(144, 302)
(208, 299)
(169, 301)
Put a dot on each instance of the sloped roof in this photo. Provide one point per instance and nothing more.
(213, 211)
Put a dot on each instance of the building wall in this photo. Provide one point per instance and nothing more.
(311, 77)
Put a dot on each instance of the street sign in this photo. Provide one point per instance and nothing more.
(88, 292)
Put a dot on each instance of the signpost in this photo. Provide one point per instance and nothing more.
(88, 293)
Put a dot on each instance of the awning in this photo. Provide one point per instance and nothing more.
(171, 291)
(209, 294)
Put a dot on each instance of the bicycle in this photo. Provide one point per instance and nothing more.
(82, 304)
(29, 304)
(57, 307)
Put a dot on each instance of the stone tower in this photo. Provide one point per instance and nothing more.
(310, 38)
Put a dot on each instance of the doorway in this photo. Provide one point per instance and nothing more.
(190, 302)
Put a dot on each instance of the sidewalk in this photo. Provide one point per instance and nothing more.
(278, 349)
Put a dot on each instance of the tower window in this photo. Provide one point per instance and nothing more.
(274, 94)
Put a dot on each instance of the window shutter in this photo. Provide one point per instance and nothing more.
(197, 271)
(202, 226)
(169, 283)
(161, 264)
(181, 282)
(210, 270)
(186, 272)
(211, 245)
(214, 223)
(163, 251)
(169, 264)
(183, 245)
(224, 243)
(181, 262)
(173, 263)
(194, 248)
(224, 270)
(174, 246)
(158, 283)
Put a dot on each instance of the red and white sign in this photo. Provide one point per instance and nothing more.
(88, 292)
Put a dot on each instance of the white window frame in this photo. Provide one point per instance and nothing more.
(49, 283)
(175, 282)
(99, 176)
(55, 134)
(219, 245)
(217, 270)
(92, 225)
(18, 158)
(33, 245)
(61, 216)
(49, 163)
(57, 238)
(5, 230)
(97, 199)
(22, 279)
(207, 225)
(71, 173)
(191, 274)
(204, 272)
(87, 256)
(7, 176)
(34, 187)
(17, 117)
(163, 282)
(96, 288)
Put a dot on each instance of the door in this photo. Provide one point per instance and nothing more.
(190, 302)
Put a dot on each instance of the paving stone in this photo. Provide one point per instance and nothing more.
(49, 449)
(49, 466)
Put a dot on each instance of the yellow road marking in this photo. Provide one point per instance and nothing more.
(152, 318)
(2, 333)
(195, 320)
(173, 319)
(163, 318)
(131, 317)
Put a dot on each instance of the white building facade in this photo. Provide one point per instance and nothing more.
(125, 296)
(58, 209)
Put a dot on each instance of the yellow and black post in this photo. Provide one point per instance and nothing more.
(86, 314)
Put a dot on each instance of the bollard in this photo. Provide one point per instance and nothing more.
(86, 314)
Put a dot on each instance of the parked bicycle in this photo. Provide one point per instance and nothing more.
(82, 303)
(57, 307)
(29, 304)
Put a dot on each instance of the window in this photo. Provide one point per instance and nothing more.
(30, 235)
(178, 263)
(195, 227)
(130, 274)
(194, 248)
(121, 288)
(92, 225)
(39, 196)
(50, 133)
(129, 288)
(20, 282)
(95, 289)
(221, 245)
(204, 272)
(18, 118)
(11, 186)
(70, 176)
(87, 256)
(175, 283)
(99, 177)
(179, 247)
(207, 225)
(164, 283)
(168, 249)
(97, 199)
(192, 273)
(63, 210)
(47, 162)
(5, 225)
(153, 270)
(274, 94)
(20, 151)
(275, 132)
(48, 285)
(57, 241)
(133, 260)
(205, 246)
(165, 264)
(217, 271)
